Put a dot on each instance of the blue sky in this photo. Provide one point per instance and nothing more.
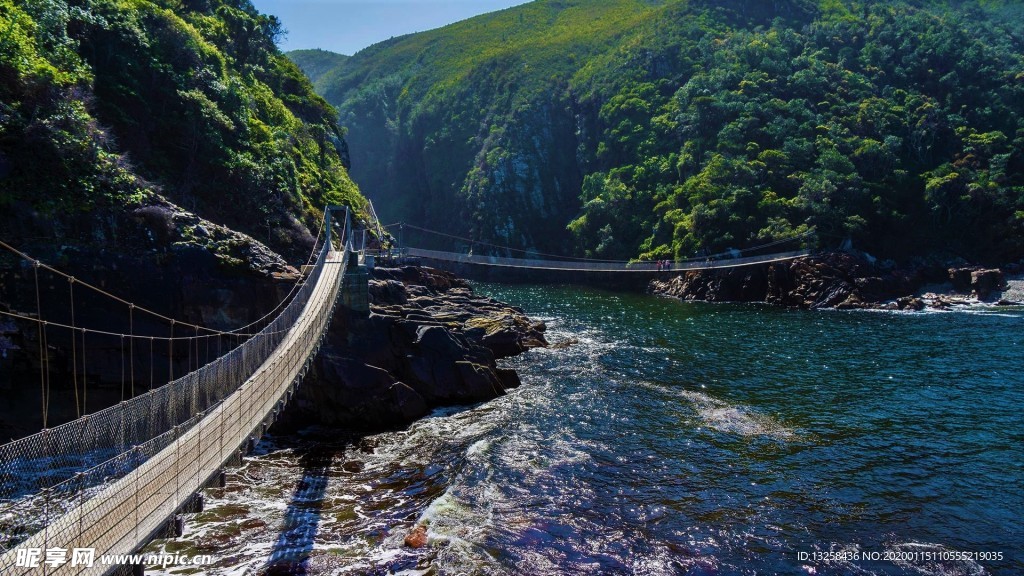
(346, 26)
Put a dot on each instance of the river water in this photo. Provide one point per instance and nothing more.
(670, 438)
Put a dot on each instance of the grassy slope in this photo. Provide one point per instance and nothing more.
(315, 63)
(551, 36)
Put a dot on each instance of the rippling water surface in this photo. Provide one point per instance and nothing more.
(669, 439)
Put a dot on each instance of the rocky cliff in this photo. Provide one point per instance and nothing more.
(136, 140)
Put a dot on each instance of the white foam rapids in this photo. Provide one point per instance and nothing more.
(736, 419)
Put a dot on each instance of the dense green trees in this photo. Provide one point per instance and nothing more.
(104, 101)
(865, 126)
(883, 123)
(665, 129)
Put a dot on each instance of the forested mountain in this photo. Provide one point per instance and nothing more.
(108, 104)
(646, 128)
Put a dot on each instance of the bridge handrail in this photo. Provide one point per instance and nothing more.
(601, 266)
(125, 514)
(59, 463)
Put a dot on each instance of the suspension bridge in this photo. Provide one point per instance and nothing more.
(533, 266)
(107, 482)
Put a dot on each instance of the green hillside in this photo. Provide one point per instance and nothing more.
(315, 63)
(105, 103)
(626, 128)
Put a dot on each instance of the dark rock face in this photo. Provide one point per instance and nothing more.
(529, 178)
(428, 341)
(961, 279)
(366, 391)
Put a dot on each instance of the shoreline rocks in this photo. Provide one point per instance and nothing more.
(428, 341)
(843, 281)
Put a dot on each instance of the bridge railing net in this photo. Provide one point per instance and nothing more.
(597, 266)
(123, 515)
(42, 474)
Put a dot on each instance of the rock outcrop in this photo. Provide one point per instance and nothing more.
(836, 280)
(428, 341)
(982, 283)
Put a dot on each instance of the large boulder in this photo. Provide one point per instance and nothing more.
(505, 333)
(986, 282)
(345, 391)
(438, 342)
(385, 292)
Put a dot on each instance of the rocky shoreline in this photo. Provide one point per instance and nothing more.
(428, 341)
(846, 281)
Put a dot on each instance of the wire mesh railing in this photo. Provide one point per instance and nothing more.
(50, 456)
(71, 470)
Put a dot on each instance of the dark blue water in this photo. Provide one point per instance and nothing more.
(680, 439)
